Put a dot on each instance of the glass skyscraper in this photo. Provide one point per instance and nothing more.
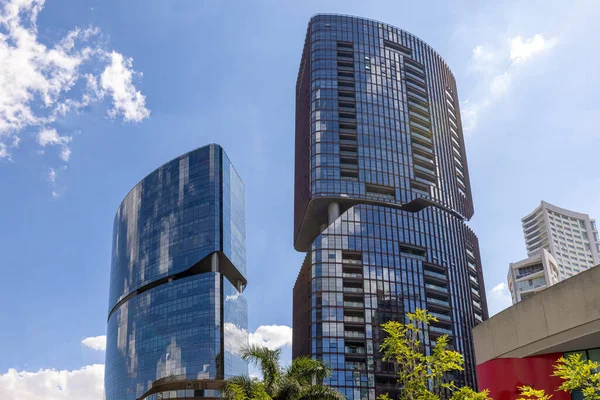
(177, 317)
(382, 194)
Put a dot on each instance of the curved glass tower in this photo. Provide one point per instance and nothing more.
(382, 194)
(177, 317)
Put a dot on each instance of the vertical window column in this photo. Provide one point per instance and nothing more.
(354, 312)
(347, 111)
(421, 135)
(438, 300)
(456, 147)
(474, 280)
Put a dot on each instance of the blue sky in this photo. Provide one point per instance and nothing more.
(144, 81)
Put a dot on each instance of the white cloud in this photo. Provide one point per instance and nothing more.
(117, 80)
(236, 339)
(498, 68)
(499, 298)
(50, 137)
(483, 59)
(500, 84)
(499, 288)
(86, 383)
(272, 336)
(522, 50)
(95, 343)
(51, 175)
(3, 151)
(39, 82)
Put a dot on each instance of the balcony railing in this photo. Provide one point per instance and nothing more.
(353, 289)
(418, 124)
(422, 138)
(348, 318)
(353, 304)
(355, 365)
(435, 287)
(413, 87)
(354, 334)
(440, 330)
(348, 166)
(418, 106)
(350, 261)
(348, 153)
(440, 316)
(355, 350)
(435, 274)
(351, 275)
(436, 301)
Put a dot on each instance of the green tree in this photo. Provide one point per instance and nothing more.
(579, 374)
(300, 381)
(421, 376)
(530, 393)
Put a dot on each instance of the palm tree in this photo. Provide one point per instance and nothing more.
(299, 381)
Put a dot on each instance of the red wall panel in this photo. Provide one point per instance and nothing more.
(502, 376)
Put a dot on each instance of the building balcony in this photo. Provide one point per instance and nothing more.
(439, 316)
(418, 116)
(419, 124)
(443, 331)
(435, 274)
(348, 289)
(355, 365)
(436, 287)
(414, 86)
(415, 77)
(438, 302)
(354, 334)
(358, 304)
(345, 153)
(421, 138)
(354, 319)
(418, 106)
(348, 166)
(355, 350)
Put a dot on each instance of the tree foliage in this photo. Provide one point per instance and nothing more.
(530, 393)
(422, 376)
(299, 381)
(579, 374)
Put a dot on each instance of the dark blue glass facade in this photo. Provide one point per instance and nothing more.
(176, 308)
(382, 196)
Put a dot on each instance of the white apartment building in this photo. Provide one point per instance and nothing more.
(529, 276)
(560, 243)
(570, 237)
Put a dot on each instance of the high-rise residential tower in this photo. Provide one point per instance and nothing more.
(571, 238)
(529, 276)
(177, 317)
(382, 194)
